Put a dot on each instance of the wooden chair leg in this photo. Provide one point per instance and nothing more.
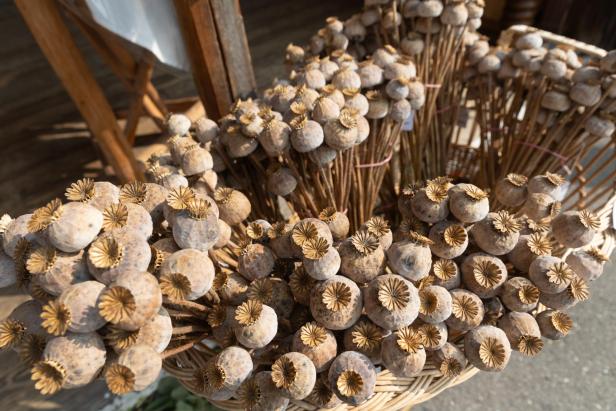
(47, 26)
(142, 78)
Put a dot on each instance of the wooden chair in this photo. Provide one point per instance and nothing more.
(215, 39)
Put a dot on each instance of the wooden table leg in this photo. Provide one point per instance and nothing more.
(47, 26)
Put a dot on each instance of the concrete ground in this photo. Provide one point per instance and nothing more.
(577, 373)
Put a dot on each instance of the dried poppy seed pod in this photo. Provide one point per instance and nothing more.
(362, 257)
(553, 324)
(467, 310)
(337, 222)
(294, 375)
(196, 160)
(222, 320)
(55, 271)
(468, 203)
(483, 274)
(16, 236)
(98, 194)
(400, 110)
(8, 270)
(76, 310)
(391, 301)
(550, 274)
(435, 304)
(234, 206)
(309, 229)
(511, 191)
(588, 264)
(413, 44)
(131, 300)
(237, 144)
(317, 343)
(196, 226)
(554, 69)
(487, 348)
(519, 294)
(135, 369)
(497, 234)
(378, 105)
(555, 101)
(186, 275)
(156, 333)
(69, 227)
(430, 204)
(321, 261)
(150, 196)
(523, 332)
(260, 394)
(449, 360)
(551, 184)
(255, 261)
(397, 89)
(445, 273)
(255, 324)
(206, 130)
(449, 239)
(365, 337)
(403, 352)
(379, 228)
(24, 320)
(114, 253)
(301, 285)
(275, 137)
(539, 205)
(529, 41)
(307, 134)
(454, 14)
(575, 229)
(576, 291)
(434, 336)
(280, 240)
(281, 182)
(178, 124)
(231, 287)
(599, 126)
(352, 377)
(127, 217)
(585, 94)
(412, 258)
(325, 109)
(370, 74)
(70, 361)
(322, 395)
(336, 302)
(274, 292)
(342, 133)
(529, 247)
(224, 235)
(225, 372)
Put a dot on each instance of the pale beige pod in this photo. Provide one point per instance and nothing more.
(186, 275)
(600, 126)
(435, 304)
(455, 14)
(294, 375)
(281, 182)
(528, 248)
(413, 44)
(523, 332)
(111, 254)
(336, 302)
(588, 264)
(255, 261)
(356, 102)
(497, 234)
(325, 109)
(576, 292)
(555, 101)
(317, 343)
(467, 310)
(237, 144)
(371, 75)
(70, 361)
(178, 124)
(551, 184)
(445, 273)
(224, 373)
(98, 194)
(337, 222)
(449, 239)
(378, 105)
(554, 324)
(575, 229)
(52, 270)
(352, 377)
(321, 261)
(403, 352)
(550, 274)
(274, 292)
(362, 257)
(259, 393)
(24, 320)
(487, 348)
(483, 274)
(342, 133)
(135, 369)
(307, 134)
(400, 110)
(540, 205)
(410, 258)
(346, 78)
(585, 94)
(529, 41)
(234, 206)
(520, 294)
(449, 360)
(131, 300)
(75, 310)
(468, 203)
(365, 337)
(511, 191)
(206, 130)
(430, 204)
(156, 333)
(69, 227)
(391, 301)
(255, 324)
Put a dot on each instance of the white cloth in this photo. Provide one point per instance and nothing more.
(151, 24)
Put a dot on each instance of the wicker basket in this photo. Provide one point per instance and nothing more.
(391, 392)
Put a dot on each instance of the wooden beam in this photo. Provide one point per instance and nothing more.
(142, 78)
(232, 36)
(198, 28)
(47, 26)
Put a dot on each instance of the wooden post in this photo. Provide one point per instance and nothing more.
(47, 26)
(216, 43)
